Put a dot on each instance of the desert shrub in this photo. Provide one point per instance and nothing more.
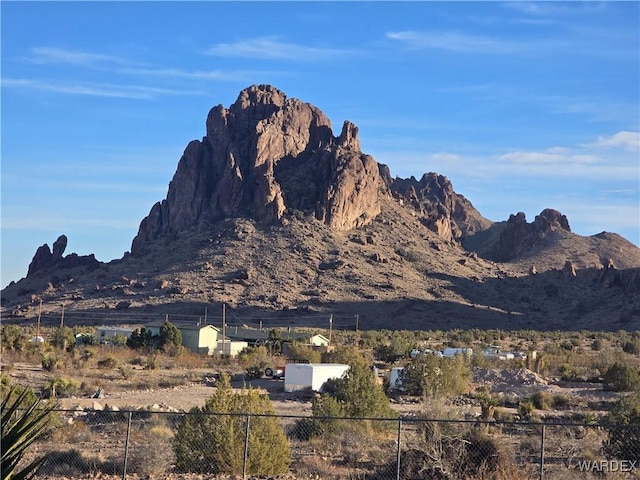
(254, 372)
(397, 347)
(109, 362)
(621, 377)
(356, 395)
(525, 409)
(623, 429)
(212, 438)
(359, 394)
(304, 353)
(488, 404)
(49, 361)
(632, 346)
(13, 338)
(59, 387)
(542, 400)
(597, 344)
(561, 401)
(126, 372)
(453, 450)
(255, 356)
(349, 355)
(152, 456)
(436, 377)
(63, 338)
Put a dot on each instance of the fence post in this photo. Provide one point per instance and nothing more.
(541, 473)
(126, 447)
(246, 447)
(398, 451)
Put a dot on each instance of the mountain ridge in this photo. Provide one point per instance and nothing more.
(271, 213)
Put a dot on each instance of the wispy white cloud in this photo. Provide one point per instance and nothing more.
(94, 89)
(454, 42)
(552, 156)
(272, 48)
(623, 139)
(221, 75)
(556, 8)
(49, 55)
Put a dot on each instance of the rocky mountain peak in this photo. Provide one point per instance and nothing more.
(520, 236)
(263, 155)
(45, 260)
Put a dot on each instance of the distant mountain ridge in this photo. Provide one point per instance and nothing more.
(270, 212)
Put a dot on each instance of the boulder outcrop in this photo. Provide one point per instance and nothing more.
(44, 259)
(262, 156)
(442, 210)
(520, 236)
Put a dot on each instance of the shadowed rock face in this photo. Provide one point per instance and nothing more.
(261, 156)
(520, 236)
(45, 260)
(442, 210)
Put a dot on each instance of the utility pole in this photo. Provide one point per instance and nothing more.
(224, 325)
(330, 326)
(62, 317)
(205, 315)
(38, 325)
(357, 321)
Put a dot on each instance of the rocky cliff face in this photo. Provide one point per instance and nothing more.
(519, 236)
(261, 156)
(442, 210)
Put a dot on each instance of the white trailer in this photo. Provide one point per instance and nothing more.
(395, 378)
(452, 352)
(298, 376)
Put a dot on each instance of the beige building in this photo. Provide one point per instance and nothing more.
(201, 338)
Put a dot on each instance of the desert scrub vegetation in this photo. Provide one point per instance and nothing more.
(624, 428)
(434, 377)
(212, 439)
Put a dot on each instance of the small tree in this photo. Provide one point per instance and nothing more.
(621, 377)
(140, 338)
(63, 338)
(212, 438)
(170, 336)
(436, 377)
(360, 395)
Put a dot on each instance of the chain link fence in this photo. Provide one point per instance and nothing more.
(169, 445)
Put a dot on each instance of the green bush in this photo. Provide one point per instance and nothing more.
(59, 387)
(212, 439)
(436, 377)
(170, 336)
(49, 361)
(359, 394)
(623, 425)
(13, 338)
(63, 338)
(621, 377)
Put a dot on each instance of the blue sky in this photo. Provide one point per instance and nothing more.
(522, 105)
